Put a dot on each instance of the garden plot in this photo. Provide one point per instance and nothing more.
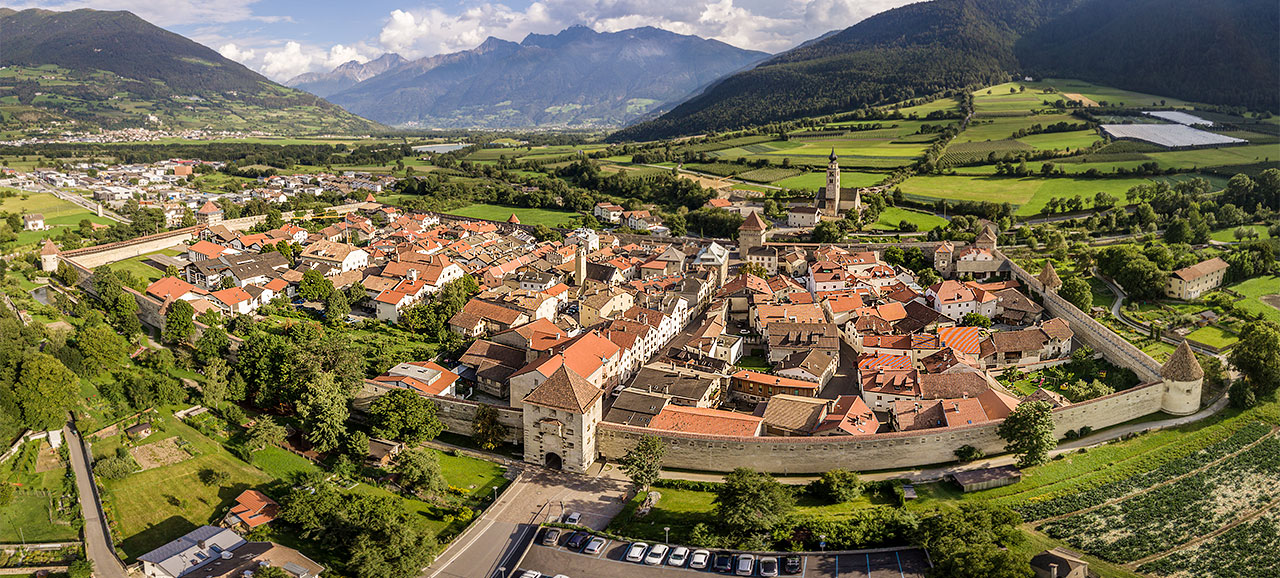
(1249, 549)
(162, 453)
(1168, 516)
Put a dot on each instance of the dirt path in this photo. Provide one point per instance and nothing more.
(1162, 484)
(1206, 537)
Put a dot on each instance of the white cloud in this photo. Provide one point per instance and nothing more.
(233, 52)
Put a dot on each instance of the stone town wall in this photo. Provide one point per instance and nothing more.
(810, 455)
(1102, 339)
(92, 257)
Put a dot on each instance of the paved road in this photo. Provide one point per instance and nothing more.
(933, 474)
(97, 546)
(499, 537)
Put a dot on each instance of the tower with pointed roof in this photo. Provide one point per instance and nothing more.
(987, 238)
(751, 234)
(1183, 379)
(560, 420)
(830, 198)
(1049, 277)
(49, 257)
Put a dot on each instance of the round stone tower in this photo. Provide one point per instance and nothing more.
(1183, 378)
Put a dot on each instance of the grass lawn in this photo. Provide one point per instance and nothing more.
(527, 216)
(1031, 194)
(1254, 289)
(999, 128)
(892, 216)
(1214, 336)
(58, 214)
(817, 180)
(1228, 235)
(31, 515)
(755, 363)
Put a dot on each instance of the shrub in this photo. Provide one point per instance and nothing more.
(837, 486)
(968, 453)
(114, 468)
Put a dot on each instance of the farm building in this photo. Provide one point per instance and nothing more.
(1059, 563)
(383, 452)
(985, 479)
(141, 430)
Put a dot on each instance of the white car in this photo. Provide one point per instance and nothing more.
(700, 559)
(635, 552)
(594, 546)
(656, 554)
(745, 565)
(679, 555)
(573, 518)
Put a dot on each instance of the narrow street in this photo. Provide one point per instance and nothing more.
(97, 545)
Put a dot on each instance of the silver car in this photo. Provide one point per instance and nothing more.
(768, 566)
(744, 565)
(656, 554)
(700, 559)
(594, 546)
(635, 552)
(679, 555)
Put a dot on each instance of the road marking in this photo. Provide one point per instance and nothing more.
(489, 520)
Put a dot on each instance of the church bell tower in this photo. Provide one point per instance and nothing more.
(830, 200)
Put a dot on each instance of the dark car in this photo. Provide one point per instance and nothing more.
(791, 565)
(577, 540)
(723, 563)
(550, 536)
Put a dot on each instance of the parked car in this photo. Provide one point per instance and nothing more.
(768, 566)
(657, 554)
(635, 552)
(679, 555)
(744, 565)
(573, 518)
(550, 536)
(576, 540)
(700, 560)
(594, 545)
(791, 565)
(723, 563)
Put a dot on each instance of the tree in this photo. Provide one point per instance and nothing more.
(976, 320)
(66, 274)
(1077, 292)
(643, 462)
(46, 390)
(419, 471)
(837, 486)
(212, 344)
(314, 286)
(751, 502)
(270, 572)
(755, 269)
(179, 324)
(265, 432)
(324, 412)
(1257, 356)
(828, 232)
(216, 478)
(928, 277)
(973, 541)
(1028, 433)
(215, 382)
(404, 415)
(486, 429)
(1083, 390)
(357, 444)
(336, 308)
(101, 346)
(968, 453)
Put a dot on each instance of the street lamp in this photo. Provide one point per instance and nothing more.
(495, 494)
(667, 532)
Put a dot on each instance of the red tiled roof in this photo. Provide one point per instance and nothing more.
(705, 421)
(254, 508)
(962, 339)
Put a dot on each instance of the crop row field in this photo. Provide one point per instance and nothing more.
(1168, 516)
(813, 181)
(1249, 549)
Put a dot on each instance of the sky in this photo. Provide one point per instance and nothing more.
(284, 38)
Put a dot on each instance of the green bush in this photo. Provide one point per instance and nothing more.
(836, 486)
(114, 468)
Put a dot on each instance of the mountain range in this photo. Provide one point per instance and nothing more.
(1213, 51)
(346, 75)
(576, 78)
(116, 70)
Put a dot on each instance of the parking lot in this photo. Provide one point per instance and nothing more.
(609, 563)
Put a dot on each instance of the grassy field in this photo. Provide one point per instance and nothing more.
(527, 216)
(57, 213)
(139, 267)
(1228, 235)
(1214, 336)
(1254, 289)
(892, 216)
(28, 516)
(816, 180)
(1030, 194)
(999, 128)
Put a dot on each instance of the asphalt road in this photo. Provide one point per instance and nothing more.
(97, 546)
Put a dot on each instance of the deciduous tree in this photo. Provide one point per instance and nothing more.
(419, 470)
(404, 415)
(1028, 433)
(487, 430)
(45, 391)
(751, 502)
(1077, 292)
(643, 462)
(179, 322)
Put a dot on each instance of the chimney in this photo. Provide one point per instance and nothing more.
(1053, 571)
(956, 405)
